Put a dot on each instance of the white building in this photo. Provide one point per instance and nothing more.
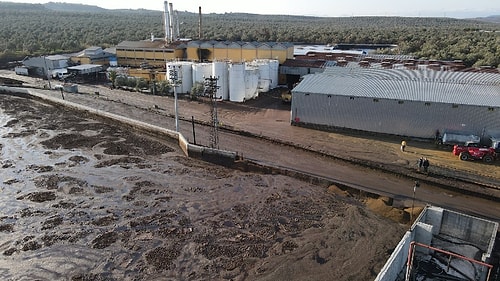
(47, 64)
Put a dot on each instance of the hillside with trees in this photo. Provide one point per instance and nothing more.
(35, 29)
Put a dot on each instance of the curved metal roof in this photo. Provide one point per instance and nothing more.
(469, 88)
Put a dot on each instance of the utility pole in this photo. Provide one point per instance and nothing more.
(211, 89)
(417, 184)
(174, 79)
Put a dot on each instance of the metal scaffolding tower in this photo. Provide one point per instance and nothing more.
(174, 80)
(211, 91)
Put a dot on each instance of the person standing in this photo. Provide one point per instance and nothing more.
(420, 163)
(403, 146)
(425, 164)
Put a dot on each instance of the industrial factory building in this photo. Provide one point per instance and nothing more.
(238, 51)
(395, 101)
(155, 52)
(148, 53)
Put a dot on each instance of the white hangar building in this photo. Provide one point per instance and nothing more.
(413, 103)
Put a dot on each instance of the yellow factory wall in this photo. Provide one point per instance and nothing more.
(264, 53)
(81, 60)
(158, 57)
(148, 75)
(282, 55)
(192, 53)
(248, 54)
(180, 53)
(153, 57)
(220, 54)
(234, 55)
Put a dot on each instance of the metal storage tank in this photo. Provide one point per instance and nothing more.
(184, 74)
(201, 71)
(264, 75)
(220, 70)
(274, 66)
(237, 82)
(264, 85)
(251, 83)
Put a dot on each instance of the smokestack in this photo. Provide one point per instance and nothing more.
(177, 29)
(200, 35)
(166, 22)
(172, 33)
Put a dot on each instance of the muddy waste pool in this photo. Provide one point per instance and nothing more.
(85, 200)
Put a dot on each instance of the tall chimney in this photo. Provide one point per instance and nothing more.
(177, 29)
(172, 33)
(166, 22)
(200, 34)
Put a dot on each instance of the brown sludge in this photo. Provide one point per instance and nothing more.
(85, 200)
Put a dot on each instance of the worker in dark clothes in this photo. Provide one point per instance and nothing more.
(420, 163)
(425, 164)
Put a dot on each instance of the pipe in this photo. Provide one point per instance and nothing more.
(200, 35)
(171, 26)
(177, 29)
(411, 252)
(166, 22)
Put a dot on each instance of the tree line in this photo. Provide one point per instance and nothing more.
(34, 29)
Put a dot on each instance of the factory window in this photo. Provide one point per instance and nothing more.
(491, 108)
(329, 96)
(375, 100)
(401, 102)
(454, 106)
(428, 103)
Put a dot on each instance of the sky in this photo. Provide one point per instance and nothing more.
(322, 8)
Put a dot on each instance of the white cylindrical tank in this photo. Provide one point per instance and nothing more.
(237, 82)
(220, 70)
(264, 85)
(264, 75)
(184, 76)
(264, 72)
(201, 71)
(274, 66)
(251, 83)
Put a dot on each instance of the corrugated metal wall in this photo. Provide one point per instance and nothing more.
(406, 118)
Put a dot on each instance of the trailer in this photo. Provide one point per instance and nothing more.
(21, 70)
(460, 138)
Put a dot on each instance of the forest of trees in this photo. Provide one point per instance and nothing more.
(35, 29)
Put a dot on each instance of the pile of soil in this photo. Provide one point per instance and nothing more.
(86, 200)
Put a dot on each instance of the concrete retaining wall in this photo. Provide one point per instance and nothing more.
(216, 156)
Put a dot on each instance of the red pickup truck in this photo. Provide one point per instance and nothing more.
(474, 151)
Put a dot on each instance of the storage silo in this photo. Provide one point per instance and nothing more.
(251, 83)
(201, 71)
(264, 75)
(274, 66)
(220, 70)
(237, 82)
(184, 75)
